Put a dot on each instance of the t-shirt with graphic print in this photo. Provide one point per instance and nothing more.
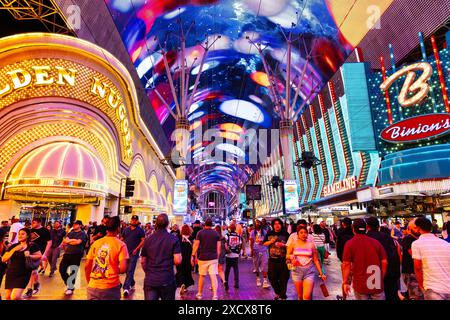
(106, 253)
(258, 237)
(234, 242)
(40, 237)
(277, 252)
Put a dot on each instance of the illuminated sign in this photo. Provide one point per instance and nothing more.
(58, 77)
(417, 128)
(253, 192)
(412, 92)
(180, 197)
(291, 195)
(340, 186)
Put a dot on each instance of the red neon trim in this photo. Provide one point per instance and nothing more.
(440, 73)
(386, 93)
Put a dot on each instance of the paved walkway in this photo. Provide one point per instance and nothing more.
(53, 289)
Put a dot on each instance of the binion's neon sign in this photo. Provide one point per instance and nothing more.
(412, 92)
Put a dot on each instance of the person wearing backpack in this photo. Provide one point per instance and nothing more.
(233, 243)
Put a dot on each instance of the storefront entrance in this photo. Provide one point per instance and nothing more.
(48, 212)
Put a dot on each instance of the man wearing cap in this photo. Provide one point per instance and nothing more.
(134, 237)
(392, 278)
(366, 259)
(345, 233)
(73, 245)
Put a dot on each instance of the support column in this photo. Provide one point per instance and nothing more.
(287, 147)
(182, 145)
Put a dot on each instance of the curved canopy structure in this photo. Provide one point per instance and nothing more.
(145, 197)
(233, 94)
(63, 168)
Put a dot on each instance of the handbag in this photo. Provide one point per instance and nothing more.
(31, 264)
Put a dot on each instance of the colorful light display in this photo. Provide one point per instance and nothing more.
(417, 128)
(432, 104)
(291, 195)
(180, 197)
(232, 62)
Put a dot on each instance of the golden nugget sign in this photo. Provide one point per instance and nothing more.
(59, 77)
(340, 186)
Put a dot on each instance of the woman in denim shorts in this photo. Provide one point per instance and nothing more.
(302, 258)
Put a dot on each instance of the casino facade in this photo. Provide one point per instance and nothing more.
(70, 131)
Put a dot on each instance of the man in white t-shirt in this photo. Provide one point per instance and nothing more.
(431, 257)
(14, 231)
(294, 236)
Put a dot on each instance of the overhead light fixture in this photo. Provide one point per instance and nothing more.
(308, 160)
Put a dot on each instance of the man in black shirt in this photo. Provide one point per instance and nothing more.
(392, 277)
(4, 228)
(134, 237)
(2, 234)
(161, 251)
(57, 235)
(41, 237)
(278, 272)
(233, 245)
(74, 245)
(100, 231)
(344, 234)
(409, 277)
(207, 244)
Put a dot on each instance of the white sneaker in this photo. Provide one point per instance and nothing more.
(68, 292)
(198, 296)
(126, 293)
(258, 282)
(266, 284)
(215, 298)
(183, 289)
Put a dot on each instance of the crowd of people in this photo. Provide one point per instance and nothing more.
(378, 261)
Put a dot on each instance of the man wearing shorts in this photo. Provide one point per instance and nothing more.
(259, 253)
(207, 250)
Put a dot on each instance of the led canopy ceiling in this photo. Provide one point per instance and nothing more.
(232, 95)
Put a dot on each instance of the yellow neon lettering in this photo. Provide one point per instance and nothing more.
(417, 90)
(66, 76)
(113, 99)
(98, 89)
(7, 89)
(20, 78)
(42, 76)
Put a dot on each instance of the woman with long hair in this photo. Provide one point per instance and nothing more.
(184, 270)
(302, 258)
(17, 273)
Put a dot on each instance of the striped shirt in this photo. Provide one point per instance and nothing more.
(319, 240)
(435, 256)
